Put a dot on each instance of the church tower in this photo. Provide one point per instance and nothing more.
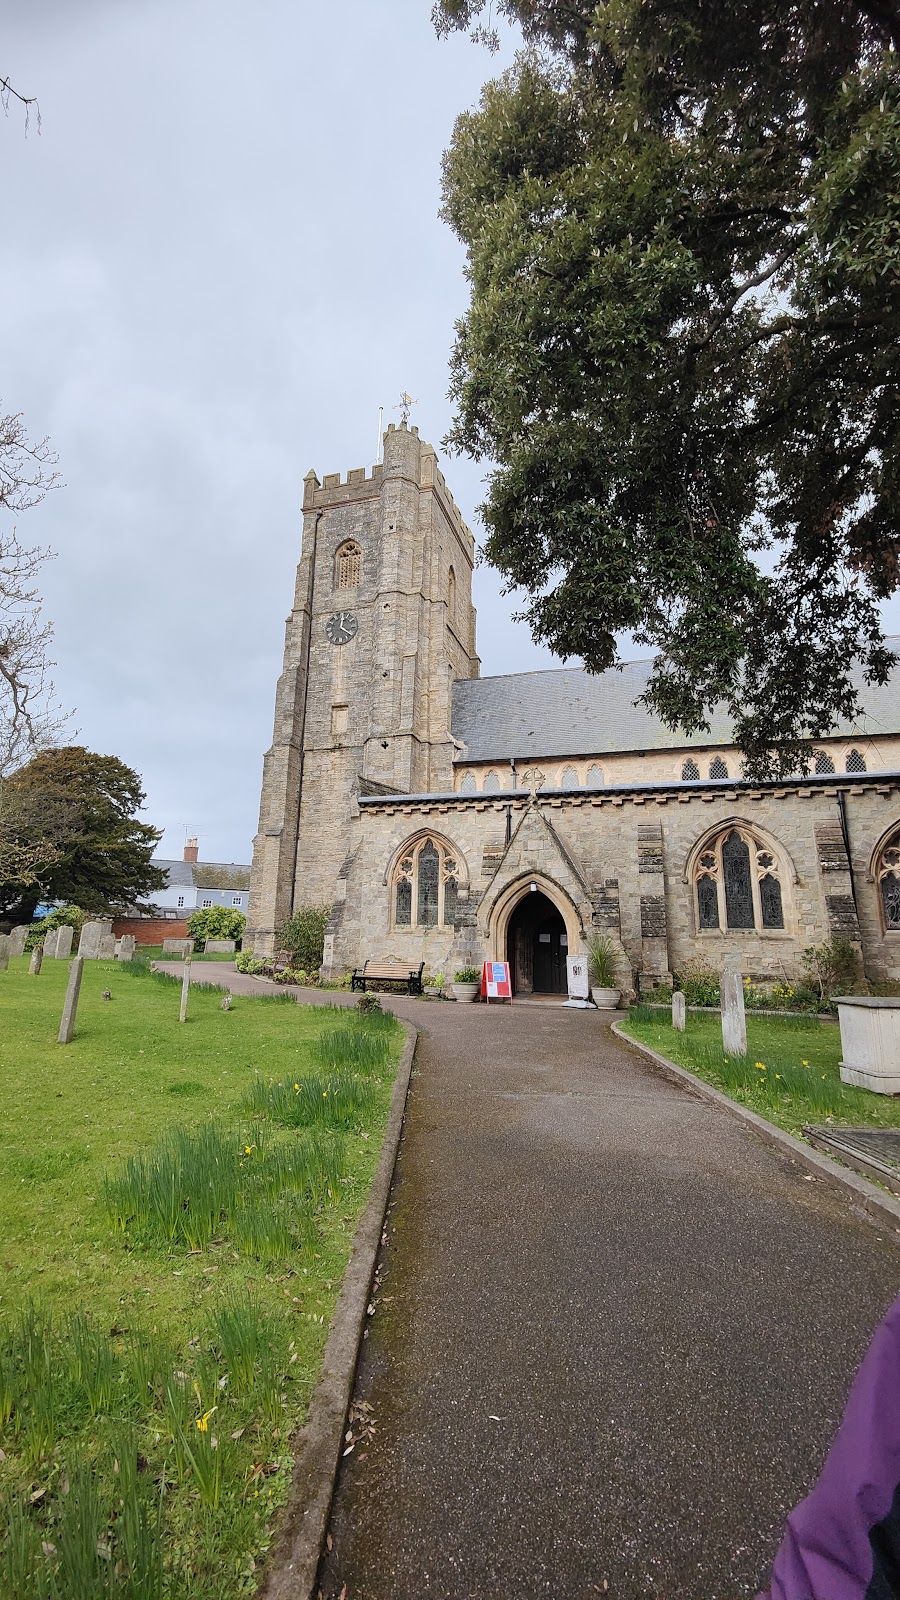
(381, 626)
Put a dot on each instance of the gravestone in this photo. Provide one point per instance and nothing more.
(4, 951)
(734, 1022)
(678, 1011)
(177, 947)
(220, 947)
(107, 951)
(70, 1006)
(64, 939)
(37, 956)
(125, 947)
(17, 940)
(51, 938)
(89, 943)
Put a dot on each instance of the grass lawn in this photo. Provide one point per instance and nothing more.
(175, 1231)
(154, 952)
(789, 1075)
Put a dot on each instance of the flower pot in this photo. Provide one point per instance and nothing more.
(466, 991)
(432, 992)
(606, 999)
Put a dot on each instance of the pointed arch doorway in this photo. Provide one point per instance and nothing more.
(536, 946)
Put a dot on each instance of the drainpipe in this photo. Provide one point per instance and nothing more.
(845, 834)
(312, 590)
(508, 826)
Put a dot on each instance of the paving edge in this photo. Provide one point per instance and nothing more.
(879, 1207)
(294, 1561)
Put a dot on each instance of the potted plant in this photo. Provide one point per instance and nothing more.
(466, 983)
(603, 963)
(432, 984)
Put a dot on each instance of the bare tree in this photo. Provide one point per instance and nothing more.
(30, 717)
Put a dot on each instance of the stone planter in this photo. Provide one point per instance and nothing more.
(606, 999)
(870, 1042)
(466, 991)
(432, 992)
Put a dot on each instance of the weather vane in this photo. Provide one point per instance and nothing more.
(406, 404)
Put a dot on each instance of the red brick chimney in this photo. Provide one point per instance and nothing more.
(191, 850)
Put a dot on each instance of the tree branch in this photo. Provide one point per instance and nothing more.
(6, 89)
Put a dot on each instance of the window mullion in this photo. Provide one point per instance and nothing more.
(720, 888)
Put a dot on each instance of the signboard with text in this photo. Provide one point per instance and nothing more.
(577, 967)
(495, 981)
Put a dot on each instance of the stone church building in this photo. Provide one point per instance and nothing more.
(451, 818)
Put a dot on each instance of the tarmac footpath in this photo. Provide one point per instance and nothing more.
(613, 1331)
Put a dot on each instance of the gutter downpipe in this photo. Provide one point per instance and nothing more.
(312, 590)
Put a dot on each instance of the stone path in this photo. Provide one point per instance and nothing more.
(614, 1332)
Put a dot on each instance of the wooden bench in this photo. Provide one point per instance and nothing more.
(389, 972)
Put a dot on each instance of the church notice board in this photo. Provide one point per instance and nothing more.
(495, 981)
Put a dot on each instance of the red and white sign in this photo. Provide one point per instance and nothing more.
(495, 981)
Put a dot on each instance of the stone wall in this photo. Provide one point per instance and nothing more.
(621, 864)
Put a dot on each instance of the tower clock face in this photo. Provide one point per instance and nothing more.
(341, 628)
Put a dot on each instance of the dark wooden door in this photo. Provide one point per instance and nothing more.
(550, 956)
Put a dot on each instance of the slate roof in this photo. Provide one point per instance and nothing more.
(181, 874)
(569, 712)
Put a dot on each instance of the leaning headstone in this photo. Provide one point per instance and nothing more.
(89, 943)
(678, 1011)
(125, 947)
(220, 947)
(4, 951)
(64, 940)
(107, 947)
(185, 988)
(70, 1007)
(177, 947)
(51, 939)
(37, 956)
(734, 1022)
(17, 940)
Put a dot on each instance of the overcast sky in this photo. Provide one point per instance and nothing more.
(221, 255)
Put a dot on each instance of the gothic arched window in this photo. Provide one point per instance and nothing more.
(887, 876)
(451, 595)
(823, 761)
(595, 779)
(690, 772)
(737, 882)
(425, 886)
(569, 779)
(717, 768)
(347, 561)
(468, 785)
(856, 762)
(491, 783)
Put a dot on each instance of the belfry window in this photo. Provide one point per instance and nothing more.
(737, 882)
(426, 886)
(347, 565)
(887, 876)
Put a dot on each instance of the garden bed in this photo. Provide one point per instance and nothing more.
(179, 1203)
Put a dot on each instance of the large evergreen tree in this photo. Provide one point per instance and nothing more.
(69, 831)
(682, 350)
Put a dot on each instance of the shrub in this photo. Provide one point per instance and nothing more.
(303, 936)
(216, 922)
(246, 961)
(292, 975)
(368, 1003)
(699, 982)
(832, 966)
(64, 917)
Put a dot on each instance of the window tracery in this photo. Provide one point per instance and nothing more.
(690, 772)
(887, 875)
(717, 768)
(491, 782)
(468, 785)
(569, 779)
(823, 761)
(595, 779)
(856, 762)
(738, 884)
(426, 886)
(347, 560)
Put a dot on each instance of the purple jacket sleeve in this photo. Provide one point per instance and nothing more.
(843, 1541)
